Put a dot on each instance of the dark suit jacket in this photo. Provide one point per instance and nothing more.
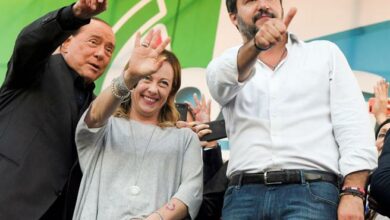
(38, 116)
(380, 180)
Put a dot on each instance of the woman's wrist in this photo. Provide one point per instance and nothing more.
(131, 79)
(119, 88)
(156, 215)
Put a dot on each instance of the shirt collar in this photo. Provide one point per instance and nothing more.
(292, 40)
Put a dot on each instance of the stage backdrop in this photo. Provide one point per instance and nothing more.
(201, 30)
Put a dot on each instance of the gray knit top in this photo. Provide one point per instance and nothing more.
(164, 163)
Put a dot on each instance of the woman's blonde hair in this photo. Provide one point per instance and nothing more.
(168, 115)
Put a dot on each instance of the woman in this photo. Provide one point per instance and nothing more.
(136, 164)
(380, 135)
(380, 109)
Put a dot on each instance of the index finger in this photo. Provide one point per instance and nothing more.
(196, 100)
(290, 15)
(149, 36)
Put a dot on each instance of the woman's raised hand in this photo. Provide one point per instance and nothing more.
(144, 59)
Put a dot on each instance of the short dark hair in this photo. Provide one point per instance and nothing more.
(231, 6)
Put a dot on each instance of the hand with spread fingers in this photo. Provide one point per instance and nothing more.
(273, 30)
(381, 90)
(86, 9)
(201, 111)
(143, 61)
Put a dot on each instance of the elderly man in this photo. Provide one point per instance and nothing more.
(295, 118)
(41, 100)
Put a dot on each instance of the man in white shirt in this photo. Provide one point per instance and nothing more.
(296, 122)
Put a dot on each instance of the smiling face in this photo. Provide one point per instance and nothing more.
(151, 94)
(250, 15)
(154, 96)
(89, 51)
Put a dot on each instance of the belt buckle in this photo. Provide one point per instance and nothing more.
(266, 182)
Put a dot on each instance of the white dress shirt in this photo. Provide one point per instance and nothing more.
(308, 113)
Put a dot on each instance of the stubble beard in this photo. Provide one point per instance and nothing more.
(248, 30)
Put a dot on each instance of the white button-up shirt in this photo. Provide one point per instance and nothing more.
(308, 113)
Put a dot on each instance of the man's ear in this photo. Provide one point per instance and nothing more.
(233, 18)
(64, 46)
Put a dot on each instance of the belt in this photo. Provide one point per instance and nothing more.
(283, 177)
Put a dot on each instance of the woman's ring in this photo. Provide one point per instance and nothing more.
(144, 44)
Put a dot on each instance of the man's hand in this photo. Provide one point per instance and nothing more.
(351, 208)
(380, 106)
(273, 30)
(85, 9)
(202, 109)
(200, 129)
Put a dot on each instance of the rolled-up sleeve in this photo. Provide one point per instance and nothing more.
(222, 77)
(351, 124)
(190, 191)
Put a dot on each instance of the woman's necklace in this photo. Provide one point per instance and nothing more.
(135, 189)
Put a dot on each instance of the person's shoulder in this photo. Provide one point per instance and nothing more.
(323, 48)
(120, 122)
(321, 44)
(227, 52)
(231, 50)
(181, 131)
(227, 56)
